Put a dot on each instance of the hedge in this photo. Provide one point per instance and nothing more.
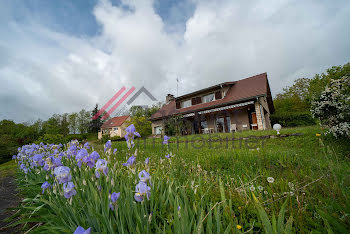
(293, 119)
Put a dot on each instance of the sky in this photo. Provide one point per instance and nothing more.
(63, 56)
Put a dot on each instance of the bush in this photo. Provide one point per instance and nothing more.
(116, 138)
(59, 138)
(52, 139)
(293, 119)
(78, 137)
(333, 107)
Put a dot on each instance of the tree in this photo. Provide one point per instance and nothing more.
(73, 122)
(138, 111)
(95, 123)
(64, 124)
(142, 124)
(52, 125)
(83, 121)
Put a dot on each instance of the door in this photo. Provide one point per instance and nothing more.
(255, 121)
(220, 124)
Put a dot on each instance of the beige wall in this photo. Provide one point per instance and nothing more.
(120, 132)
(156, 124)
(265, 113)
(240, 118)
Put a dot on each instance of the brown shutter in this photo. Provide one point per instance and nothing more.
(218, 95)
(178, 105)
(193, 100)
(198, 100)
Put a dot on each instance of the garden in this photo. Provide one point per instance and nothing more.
(244, 183)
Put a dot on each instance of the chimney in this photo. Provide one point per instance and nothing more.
(169, 98)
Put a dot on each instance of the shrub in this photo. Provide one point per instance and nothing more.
(333, 107)
(116, 138)
(293, 119)
(52, 139)
(105, 138)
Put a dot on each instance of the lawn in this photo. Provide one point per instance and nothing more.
(296, 183)
(7, 169)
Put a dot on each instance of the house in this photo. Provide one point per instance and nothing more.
(237, 105)
(114, 127)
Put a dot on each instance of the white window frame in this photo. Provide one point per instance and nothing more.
(186, 103)
(206, 98)
(158, 130)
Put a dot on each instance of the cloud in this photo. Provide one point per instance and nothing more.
(44, 71)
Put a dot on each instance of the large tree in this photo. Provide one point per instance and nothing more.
(83, 121)
(73, 122)
(96, 122)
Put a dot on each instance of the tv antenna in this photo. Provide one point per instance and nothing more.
(177, 87)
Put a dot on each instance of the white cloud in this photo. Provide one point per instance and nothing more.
(45, 72)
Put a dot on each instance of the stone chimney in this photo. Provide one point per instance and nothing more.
(169, 98)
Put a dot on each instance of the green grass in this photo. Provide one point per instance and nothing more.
(214, 183)
(7, 169)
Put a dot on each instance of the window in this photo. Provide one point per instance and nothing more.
(220, 124)
(115, 129)
(196, 100)
(158, 130)
(204, 124)
(185, 104)
(208, 98)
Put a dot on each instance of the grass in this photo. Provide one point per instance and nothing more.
(7, 169)
(218, 185)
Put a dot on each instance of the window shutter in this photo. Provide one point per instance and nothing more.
(218, 95)
(178, 105)
(193, 100)
(198, 100)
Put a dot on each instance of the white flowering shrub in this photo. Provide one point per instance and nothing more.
(333, 107)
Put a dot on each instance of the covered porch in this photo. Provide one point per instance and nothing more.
(239, 117)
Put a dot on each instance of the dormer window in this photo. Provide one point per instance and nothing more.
(186, 103)
(208, 98)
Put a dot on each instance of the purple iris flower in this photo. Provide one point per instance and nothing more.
(142, 190)
(68, 189)
(90, 160)
(168, 156)
(81, 230)
(130, 134)
(56, 162)
(115, 151)
(14, 156)
(166, 138)
(62, 174)
(45, 185)
(86, 145)
(94, 155)
(101, 166)
(38, 159)
(147, 161)
(82, 153)
(108, 145)
(48, 163)
(114, 197)
(130, 161)
(24, 168)
(144, 177)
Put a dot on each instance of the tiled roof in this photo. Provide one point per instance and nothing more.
(115, 122)
(240, 90)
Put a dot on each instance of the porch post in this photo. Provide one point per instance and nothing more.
(259, 116)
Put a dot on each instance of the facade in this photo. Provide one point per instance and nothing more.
(238, 105)
(114, 127)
